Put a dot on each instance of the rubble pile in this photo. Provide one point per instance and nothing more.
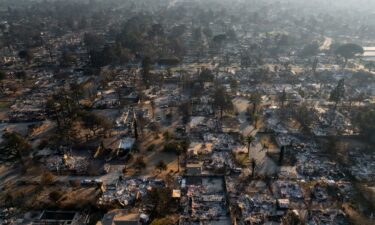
(125, 192)
(253, 207)
(8, 215)
(289, 189)
(204, 202)
(363, 166)
(328, 216)
(75, 165)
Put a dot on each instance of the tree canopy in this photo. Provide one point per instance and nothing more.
(206, 75)
(310, 49)
(338, 93)
(161, 166)
(248, 141)
(366, 123)
(94, 122)
(256, 100)
(2, 75)
(282, 97)
(349, 51)
(15, 144)
(161, 199)
(221, 100)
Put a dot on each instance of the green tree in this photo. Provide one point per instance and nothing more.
(248, 141)
(140, 163)
(167, 136)
(337, 94)
(315, 65)
(185, 110)
(64, 109)
(26, 55)
(178, 147)
(77, 92)
(161, 200)
(311, 49)
(161, 166)
(153, 106)
(3, 75)
(92, 41)
(348, 51)
(256, 100)
(256, 118)
(365, 121)
(146, 70)
(95, 122)
(206, 76)
(21, 75)
(253, 167)
(14, 143)
(155, 128)
(233, 84)
(221, 100)
(55, 196)
(304, 114)
(282, 97)
(197, 34)
(67, 59)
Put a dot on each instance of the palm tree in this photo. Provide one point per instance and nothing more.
(152, 103)
(256, 100)
(282, 97)
(281, 156)
(179, 148)
(256, 119)
(14, 143)
(338, 93)
(222, 101)
(248, 141)
(253, 166)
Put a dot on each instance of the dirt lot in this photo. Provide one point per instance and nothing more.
(151, 158)
(37, 196)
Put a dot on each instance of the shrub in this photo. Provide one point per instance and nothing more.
(151, 148)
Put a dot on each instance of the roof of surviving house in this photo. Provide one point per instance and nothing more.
(120, 217)
(126, 143)
(176, 193)
(283, 203)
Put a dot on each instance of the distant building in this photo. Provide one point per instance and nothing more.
(369, 54)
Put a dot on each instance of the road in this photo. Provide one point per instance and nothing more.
(326, 44)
